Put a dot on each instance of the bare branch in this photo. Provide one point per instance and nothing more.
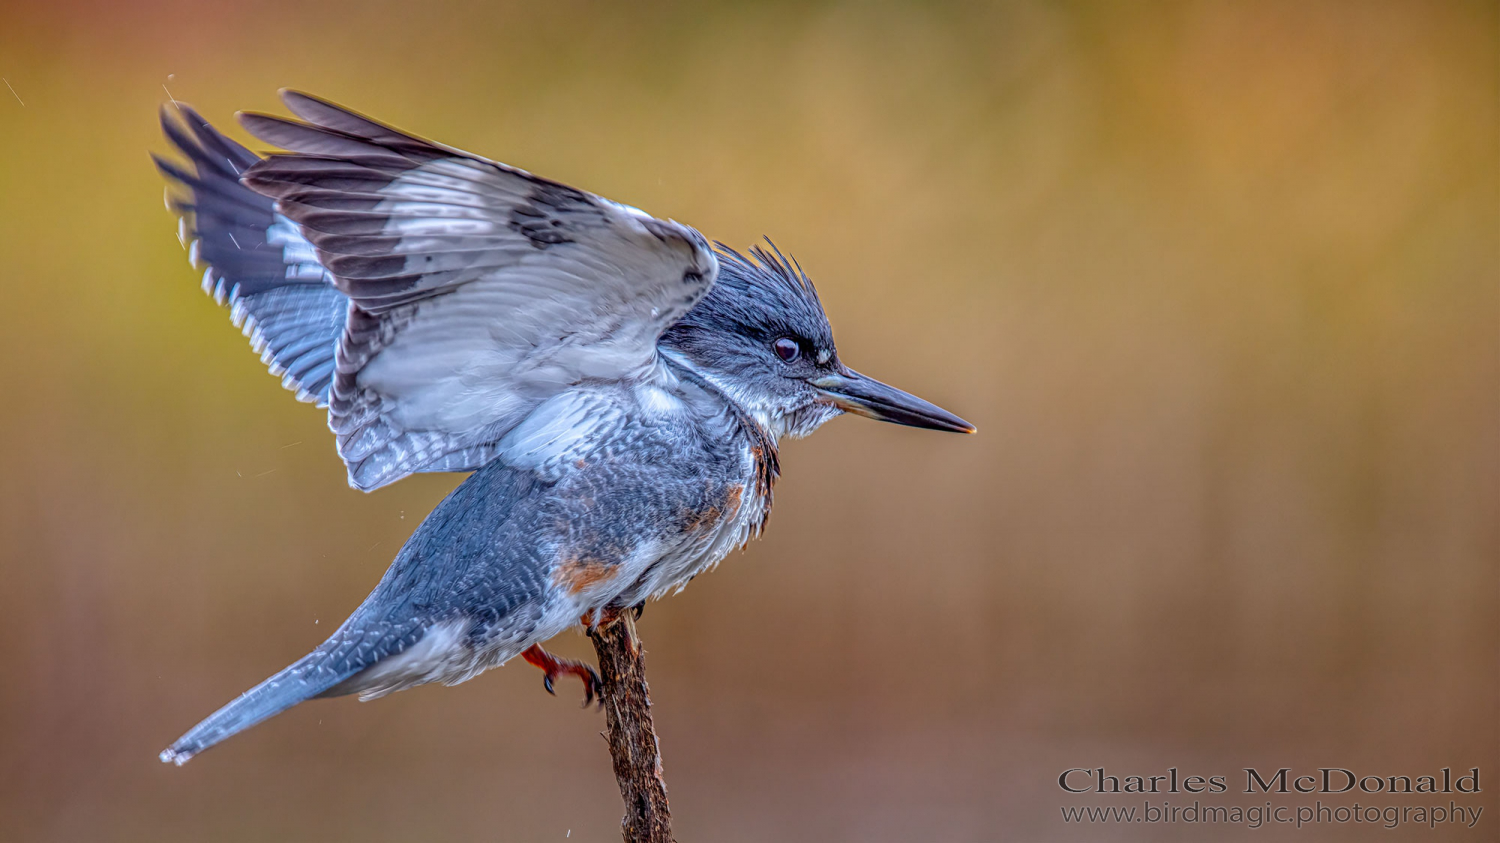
(631, 736)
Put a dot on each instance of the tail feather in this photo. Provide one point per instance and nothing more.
(354, 648)
(307, 678)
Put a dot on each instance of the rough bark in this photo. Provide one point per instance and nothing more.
(631, 736)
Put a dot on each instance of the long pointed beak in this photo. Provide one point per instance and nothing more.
(868, 397)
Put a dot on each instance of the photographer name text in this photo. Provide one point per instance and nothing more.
(1331, 780)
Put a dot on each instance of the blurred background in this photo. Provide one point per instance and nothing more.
(1216, 281)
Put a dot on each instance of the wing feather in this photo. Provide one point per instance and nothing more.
(257, 262)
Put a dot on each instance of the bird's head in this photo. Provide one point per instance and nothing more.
(761, 336)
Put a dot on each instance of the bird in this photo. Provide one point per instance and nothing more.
(615, 384)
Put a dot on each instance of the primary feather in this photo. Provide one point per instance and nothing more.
(257, 261)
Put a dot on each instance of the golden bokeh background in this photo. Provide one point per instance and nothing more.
(1217, 282)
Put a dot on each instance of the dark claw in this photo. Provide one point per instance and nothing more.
(640, 609)
(547, 683)
(593, 681)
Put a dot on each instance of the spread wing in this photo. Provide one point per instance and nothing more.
(478, 291)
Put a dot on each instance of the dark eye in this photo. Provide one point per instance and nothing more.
(787, 349)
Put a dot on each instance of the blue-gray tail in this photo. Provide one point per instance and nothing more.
(351, 649)
(308, 677)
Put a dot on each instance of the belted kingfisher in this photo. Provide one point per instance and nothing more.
(616, 384)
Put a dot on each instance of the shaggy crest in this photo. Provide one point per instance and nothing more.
(771, 264)
(762, 295)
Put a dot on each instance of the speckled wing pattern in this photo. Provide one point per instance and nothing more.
(254, 260)
(478, 291)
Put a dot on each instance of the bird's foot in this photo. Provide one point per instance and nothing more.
(552, 666)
